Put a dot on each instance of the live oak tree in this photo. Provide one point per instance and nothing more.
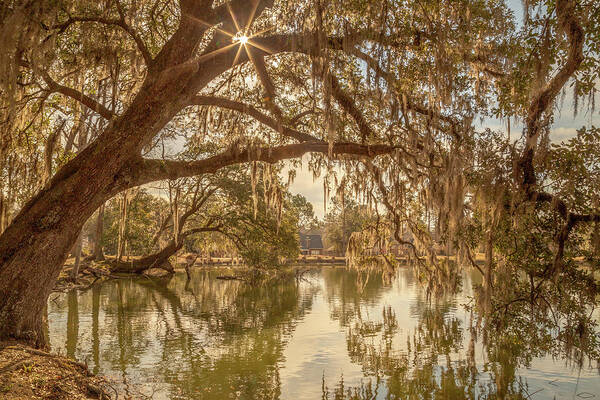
(388, 91)
(259, 218)
(211, 212)
(305, 211)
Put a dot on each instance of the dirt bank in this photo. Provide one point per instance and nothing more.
(27, 373)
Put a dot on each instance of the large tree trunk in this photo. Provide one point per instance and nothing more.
(35, 245)
(156, 260)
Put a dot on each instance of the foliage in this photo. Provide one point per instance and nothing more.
(343, 219)
(226, 212)
(305, 213)
(144, 215)
(263, 239)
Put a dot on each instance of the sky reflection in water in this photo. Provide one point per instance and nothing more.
(338, 334)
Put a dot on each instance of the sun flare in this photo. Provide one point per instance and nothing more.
(243, 39)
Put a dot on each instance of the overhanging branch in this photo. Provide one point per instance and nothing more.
(84, 99)
(254, 113)
(567, 19)
(142, 171)
(117, 22)
(348, 104)
(407, 102)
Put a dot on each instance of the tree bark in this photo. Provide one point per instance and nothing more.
(156, 260)
(3, 213)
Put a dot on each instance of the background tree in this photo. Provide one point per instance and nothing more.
(344, 218)
(306, 214)
(263, 233)
(145, 213)
(214, 212)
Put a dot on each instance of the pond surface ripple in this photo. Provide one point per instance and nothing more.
(336, 334)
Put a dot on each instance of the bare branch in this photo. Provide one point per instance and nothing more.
(296, 119)
(84, 99)
(254, 113)
(118, 22)
(216, 228)
(141, 171)
(348, 104)
(258, 60)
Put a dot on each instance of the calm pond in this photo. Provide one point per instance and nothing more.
(336, 331)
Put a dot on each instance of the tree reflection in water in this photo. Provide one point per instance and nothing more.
(209, 338)
(428, 366)
(438, 356)
(206, 338)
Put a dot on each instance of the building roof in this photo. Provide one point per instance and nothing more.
(310, 241)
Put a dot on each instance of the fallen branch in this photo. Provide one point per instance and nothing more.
(15, 365)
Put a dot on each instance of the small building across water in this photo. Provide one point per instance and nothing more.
(311, 244)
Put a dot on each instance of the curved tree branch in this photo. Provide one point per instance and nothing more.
(141, 171)
(75, 94)
(118, 22)
(216, 60)
(566, 13)
(541, 102)
(348, 104)
(254, 113)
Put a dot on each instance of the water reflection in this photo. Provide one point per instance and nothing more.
(339, 334)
